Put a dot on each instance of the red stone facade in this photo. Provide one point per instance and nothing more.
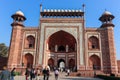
(62, 40)
(118, 63)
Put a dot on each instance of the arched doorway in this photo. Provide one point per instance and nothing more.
(61, 41)
(61, 63)
(62, 44)
(72, 65)
(93, 43)
(51, 64)
(94, 62)
(28, 60)
(29, 42)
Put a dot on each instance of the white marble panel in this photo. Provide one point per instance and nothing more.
(73, 31)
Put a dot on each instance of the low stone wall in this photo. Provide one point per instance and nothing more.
(86, 73)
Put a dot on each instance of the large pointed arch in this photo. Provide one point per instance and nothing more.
(28, 60)
(61, 63)
(94, 62)
(71, 64)
(93, 43)
(62, 39)
(29, 42)
(51, 63)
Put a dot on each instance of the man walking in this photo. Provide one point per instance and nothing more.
(5, 74)
(46, 73)
(56, 74)
(12, 74)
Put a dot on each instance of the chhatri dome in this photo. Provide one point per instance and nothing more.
(107, 13)
(19, 13)
(18, 16)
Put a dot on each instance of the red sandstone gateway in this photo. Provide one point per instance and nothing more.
(63, 41)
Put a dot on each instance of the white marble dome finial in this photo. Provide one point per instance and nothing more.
(45, 10)
(51, 10)
(58, 10)
(48, 10)
(19, 13)
(107, 13)
(66, 10)
(80, 10)
(73, 10)
(76, 10)
(69, 10)
(55, 10)
(62, 10)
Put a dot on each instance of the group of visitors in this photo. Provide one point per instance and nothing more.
(30, 73)
(46, 73)
(6, 74)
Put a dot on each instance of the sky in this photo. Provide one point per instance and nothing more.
(31, 9)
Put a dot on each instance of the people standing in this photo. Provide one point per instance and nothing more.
(5, 74)
(37, 73)
(56, 74)
(27, 73)
(68, 72)
(12, 73)
(32, 74)
(46, 73)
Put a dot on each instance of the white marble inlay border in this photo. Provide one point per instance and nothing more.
(42, 39)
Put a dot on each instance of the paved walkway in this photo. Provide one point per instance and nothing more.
(62, 76)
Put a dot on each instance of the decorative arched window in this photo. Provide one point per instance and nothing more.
(30, 42)
(61, 48)
(28, 60)
(71, 63)
(94, 62)
(93, 43)
(51, 64)
(61, 41)
(71, 48)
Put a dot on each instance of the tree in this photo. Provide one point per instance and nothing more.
(3, 50)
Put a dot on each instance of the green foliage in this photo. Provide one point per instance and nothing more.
(17, 73)
(108, 77)
(3, 50)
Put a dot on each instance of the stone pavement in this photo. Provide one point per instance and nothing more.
(62, 76)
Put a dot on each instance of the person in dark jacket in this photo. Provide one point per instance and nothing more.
(56, 74)
(27, 73)
(46, 73)
(12, 74)
(5, 74)
(32, 74)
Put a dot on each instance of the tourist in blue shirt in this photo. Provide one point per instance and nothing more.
(5, 74)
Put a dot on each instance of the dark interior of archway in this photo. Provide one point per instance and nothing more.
(29, 60)
(60, 60)
(61, 38)
(95, 62)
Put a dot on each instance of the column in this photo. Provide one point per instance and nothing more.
(67, 48)
(47, 46)
(56, 48)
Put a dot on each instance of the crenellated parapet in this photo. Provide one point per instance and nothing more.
(60, 13)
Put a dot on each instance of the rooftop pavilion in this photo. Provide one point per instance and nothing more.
(61, 13)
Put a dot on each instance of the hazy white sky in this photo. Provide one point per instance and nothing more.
(31, 9)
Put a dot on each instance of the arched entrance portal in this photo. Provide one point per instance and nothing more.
(51, 64)
(72, 66)
(62, 46)
(61, 63)
(28, 60)
(94, 62)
